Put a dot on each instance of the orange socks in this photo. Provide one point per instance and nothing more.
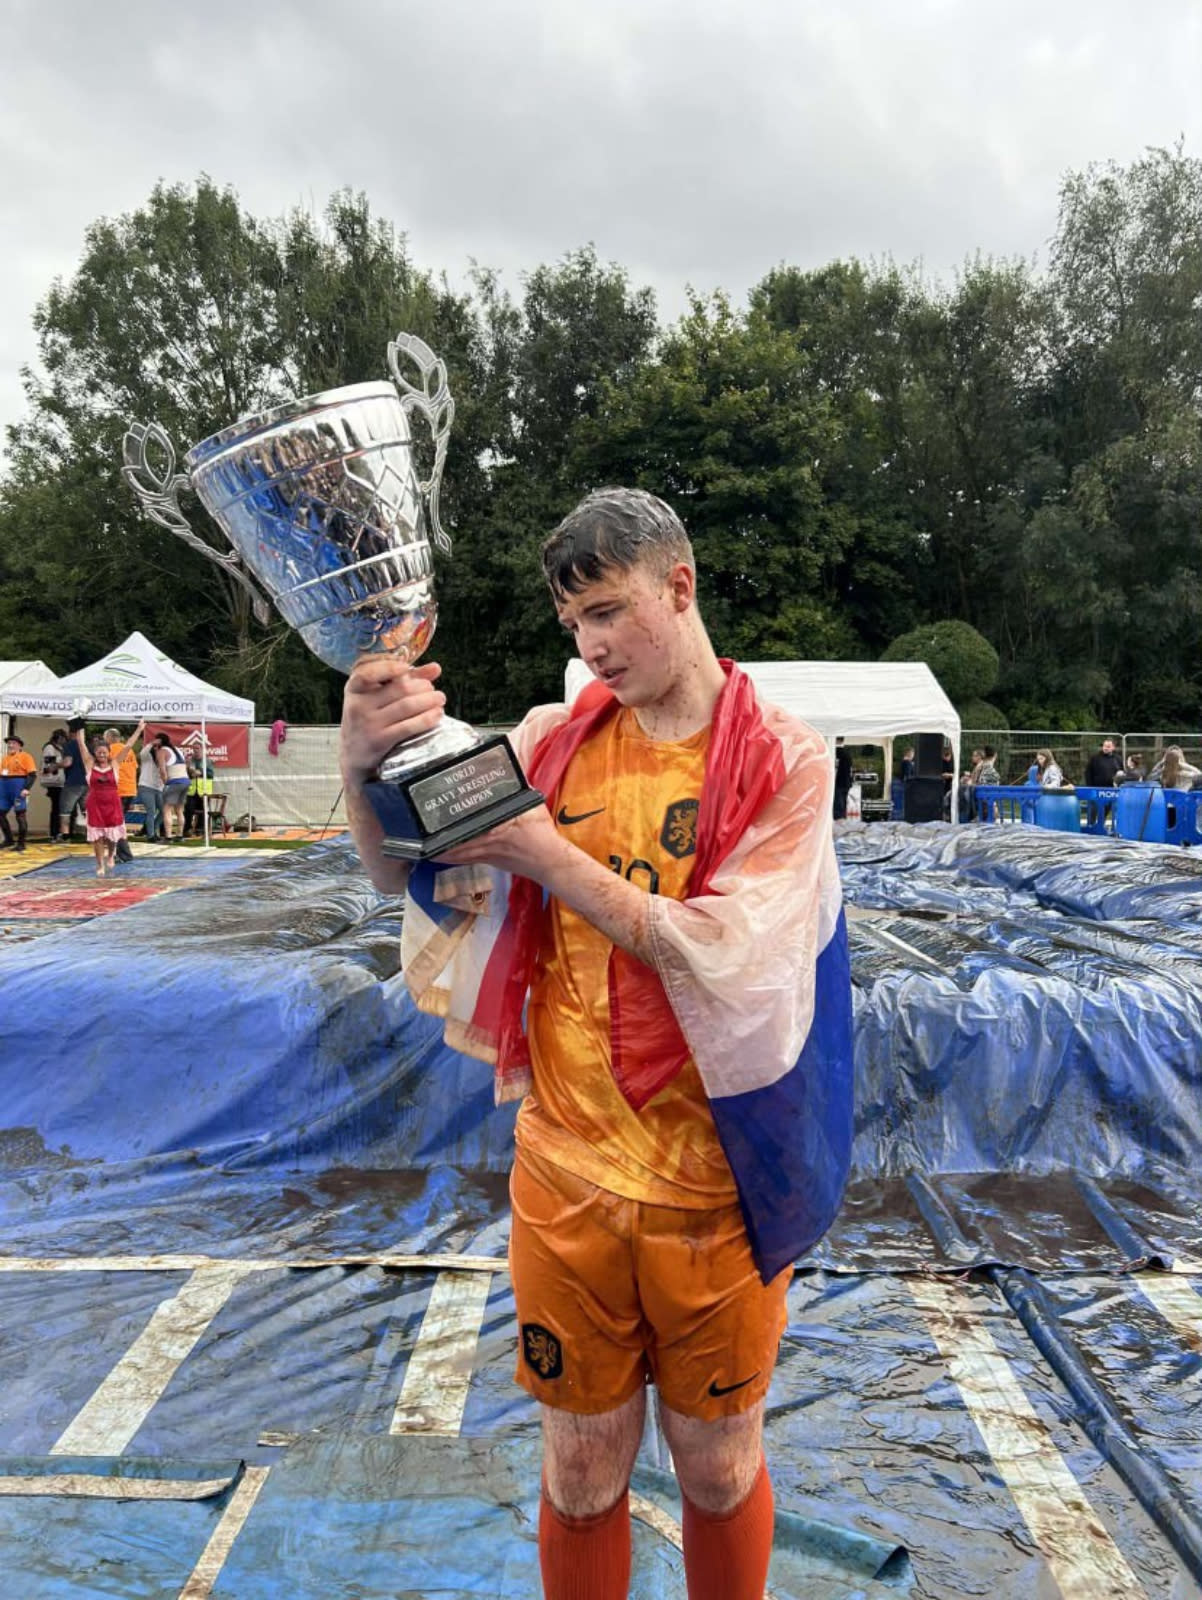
(585, 1558)
(726, 1557)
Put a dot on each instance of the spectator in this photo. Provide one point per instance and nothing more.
(842, 778)
(987, 772)
(150, 787)
(1103, 767)
(909, 767)
(1133, 772)
(200, 786)
(17, 771)
(1050, 775)
(54, 767)
(75, 786)
(125, 764)
(1173, 770)
(175, 787)
(104, 816)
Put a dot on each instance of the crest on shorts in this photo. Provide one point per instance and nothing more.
(542, 1350)
(679, 835)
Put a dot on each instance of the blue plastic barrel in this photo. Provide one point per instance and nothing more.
(1139, 812)
(1058, 810)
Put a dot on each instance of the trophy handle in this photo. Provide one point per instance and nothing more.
(159, 495)
(433, 400)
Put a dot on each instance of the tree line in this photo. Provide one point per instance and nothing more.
(860, 453)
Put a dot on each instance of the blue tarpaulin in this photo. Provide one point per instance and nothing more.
(232, 1072)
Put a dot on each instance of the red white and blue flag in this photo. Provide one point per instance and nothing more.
(749, 973)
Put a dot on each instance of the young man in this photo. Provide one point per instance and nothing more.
(665, 979)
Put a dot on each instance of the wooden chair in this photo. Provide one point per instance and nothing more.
(216, 808)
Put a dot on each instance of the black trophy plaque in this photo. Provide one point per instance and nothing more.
(435, 807)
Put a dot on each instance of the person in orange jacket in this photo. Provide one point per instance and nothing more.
(17, 771)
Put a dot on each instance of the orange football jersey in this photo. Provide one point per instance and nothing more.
(631, 803)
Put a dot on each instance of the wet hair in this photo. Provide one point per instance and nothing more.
(610, 528)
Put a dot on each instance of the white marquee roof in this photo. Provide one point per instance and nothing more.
(864, 702)
(134, 680)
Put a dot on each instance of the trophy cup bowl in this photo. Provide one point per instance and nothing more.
(323, 508)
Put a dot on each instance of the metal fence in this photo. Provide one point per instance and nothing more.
(300, 786)
(1072, 749)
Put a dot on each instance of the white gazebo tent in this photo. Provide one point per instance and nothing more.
(134, 680)
(862, 702)
(30, 675)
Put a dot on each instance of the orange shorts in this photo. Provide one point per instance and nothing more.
(613, 1293)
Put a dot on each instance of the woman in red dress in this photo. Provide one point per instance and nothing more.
(105, 818)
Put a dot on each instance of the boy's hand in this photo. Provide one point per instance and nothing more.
(527, 846)
(385, 703)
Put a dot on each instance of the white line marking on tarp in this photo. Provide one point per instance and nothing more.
(434, 1393)
(1177, 1302)
(1084, 1560)
(88, 1486)
(393, 1263)
(213, 1557)
(124, 1400)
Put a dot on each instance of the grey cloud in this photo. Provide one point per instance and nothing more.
(695, 143)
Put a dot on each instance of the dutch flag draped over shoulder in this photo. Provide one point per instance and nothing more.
(749, 972)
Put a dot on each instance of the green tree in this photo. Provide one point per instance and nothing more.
(726, 426)
(964, 662)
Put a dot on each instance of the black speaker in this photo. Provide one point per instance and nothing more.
(928, 755)
(924, 800)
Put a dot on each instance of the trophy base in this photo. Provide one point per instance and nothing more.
(446, 802)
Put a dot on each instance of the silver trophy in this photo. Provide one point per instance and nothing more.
(321, 501)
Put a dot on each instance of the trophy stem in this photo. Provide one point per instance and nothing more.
(449, 738)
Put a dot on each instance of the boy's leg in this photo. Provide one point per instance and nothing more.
(584, 1513)
(728, 1506)
(581, 1355)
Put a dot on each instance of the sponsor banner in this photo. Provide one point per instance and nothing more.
(228, 742)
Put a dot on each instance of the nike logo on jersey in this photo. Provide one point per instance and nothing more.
(565, 821)
(718, 1390)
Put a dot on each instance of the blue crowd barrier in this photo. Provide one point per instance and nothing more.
(1183, 817)
(1004, 802)
(1097, 809)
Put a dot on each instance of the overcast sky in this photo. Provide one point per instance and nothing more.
(693, 141)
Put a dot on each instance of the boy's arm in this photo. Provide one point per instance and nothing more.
(385, 703)
(530, 847)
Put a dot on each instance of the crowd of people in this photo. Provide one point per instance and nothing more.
(94, 783)
(1105, 769)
